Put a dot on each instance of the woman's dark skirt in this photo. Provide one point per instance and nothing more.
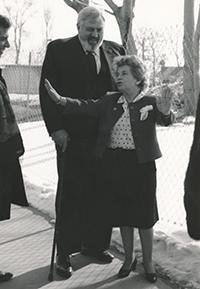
(124, 191)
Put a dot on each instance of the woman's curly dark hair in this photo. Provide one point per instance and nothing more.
(137, 66)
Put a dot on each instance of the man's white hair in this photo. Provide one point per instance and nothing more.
(89, 12)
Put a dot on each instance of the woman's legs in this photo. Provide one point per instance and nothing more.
(128, 243)
(146, 237)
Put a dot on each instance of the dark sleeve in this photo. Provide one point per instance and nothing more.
(117, 48)
(50, 70)
(167, 119)
(161, 119)
(85, 107)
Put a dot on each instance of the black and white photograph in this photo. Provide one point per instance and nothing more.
(100, 144)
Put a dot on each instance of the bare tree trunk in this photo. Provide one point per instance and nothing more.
(124, 17)
(188, 49)
(196, 60)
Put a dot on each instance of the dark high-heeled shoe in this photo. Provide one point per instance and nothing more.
(125, 272)
(151, 277)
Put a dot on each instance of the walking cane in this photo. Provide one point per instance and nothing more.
(50, 277)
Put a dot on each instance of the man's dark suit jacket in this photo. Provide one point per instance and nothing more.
(109, 111)
(66, 68)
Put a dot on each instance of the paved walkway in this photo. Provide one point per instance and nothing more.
(25, 250)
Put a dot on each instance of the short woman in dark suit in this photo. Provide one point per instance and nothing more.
(126, 148)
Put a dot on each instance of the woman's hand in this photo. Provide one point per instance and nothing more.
(164, 101)
(57, 98)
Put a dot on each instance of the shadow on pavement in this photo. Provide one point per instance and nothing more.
(33, 279)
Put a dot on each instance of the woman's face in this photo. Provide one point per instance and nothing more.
(125, 80)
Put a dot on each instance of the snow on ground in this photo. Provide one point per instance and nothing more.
(176, 255)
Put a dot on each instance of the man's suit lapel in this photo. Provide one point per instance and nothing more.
(83, 75)
(108, 54)
(79, 52)
(78, 55)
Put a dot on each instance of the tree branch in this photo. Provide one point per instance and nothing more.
(112, 5)
(77, 5)
(69, 3)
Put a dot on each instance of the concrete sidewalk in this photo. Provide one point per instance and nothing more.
(25, 250)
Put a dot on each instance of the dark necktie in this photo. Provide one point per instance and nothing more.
(91, 62)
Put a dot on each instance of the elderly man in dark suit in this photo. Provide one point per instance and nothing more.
(78, 66)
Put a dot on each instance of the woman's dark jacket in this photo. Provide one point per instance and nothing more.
(109, 111)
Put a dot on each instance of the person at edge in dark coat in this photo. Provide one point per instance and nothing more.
(78, 66)
(192, 183)
(124, 173)
(11, 147)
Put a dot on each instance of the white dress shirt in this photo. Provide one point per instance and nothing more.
(121, 134)
(96, 55)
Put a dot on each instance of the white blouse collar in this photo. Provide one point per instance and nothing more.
(138, 97)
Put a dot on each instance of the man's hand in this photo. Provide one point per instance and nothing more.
(61, 138)
(164, 101)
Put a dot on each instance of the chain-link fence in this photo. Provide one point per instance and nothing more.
(163, 53)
